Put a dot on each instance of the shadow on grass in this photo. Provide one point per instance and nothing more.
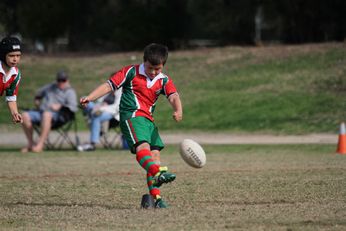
(17, 150)
(64, 150)
(51, 204)
(9, 149)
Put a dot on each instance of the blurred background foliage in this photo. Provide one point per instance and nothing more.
(123, 25)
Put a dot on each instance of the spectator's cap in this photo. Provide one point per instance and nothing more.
(61, 76)
(7, 45)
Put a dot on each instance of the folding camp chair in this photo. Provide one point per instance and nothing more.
(59, 135)
(111, 137)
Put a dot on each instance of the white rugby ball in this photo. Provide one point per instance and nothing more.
(192, 153)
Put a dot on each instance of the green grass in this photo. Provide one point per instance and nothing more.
(242, 187)
(275, 89)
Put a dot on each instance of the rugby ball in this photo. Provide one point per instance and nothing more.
(192, 153)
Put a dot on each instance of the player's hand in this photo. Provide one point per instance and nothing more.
(177, 116)
(84, 101)
(17, 118)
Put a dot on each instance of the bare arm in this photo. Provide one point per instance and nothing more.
(16, 117)
(101, 90)
(175, 102)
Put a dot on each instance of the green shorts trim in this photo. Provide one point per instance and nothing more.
(137, 130)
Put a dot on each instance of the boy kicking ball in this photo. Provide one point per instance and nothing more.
(142, 84)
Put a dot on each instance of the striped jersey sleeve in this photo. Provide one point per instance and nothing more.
(119, 78)
(168, 87)
(12, 88)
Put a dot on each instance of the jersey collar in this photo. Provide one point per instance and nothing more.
(150, 82)
(13, 71)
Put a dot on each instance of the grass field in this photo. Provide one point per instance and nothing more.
(242, 187)
(272, 89)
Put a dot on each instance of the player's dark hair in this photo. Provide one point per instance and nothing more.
(155, 54)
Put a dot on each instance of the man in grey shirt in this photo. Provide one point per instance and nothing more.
(55, 102)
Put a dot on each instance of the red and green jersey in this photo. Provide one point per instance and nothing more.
(140, 93)
(9, 83)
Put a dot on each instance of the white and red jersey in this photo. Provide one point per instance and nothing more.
(140, 93)
(9, 83)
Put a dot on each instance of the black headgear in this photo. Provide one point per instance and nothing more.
(7, 45)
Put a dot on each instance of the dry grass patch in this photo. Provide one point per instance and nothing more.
(242, 187)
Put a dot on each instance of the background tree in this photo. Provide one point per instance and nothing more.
(8, 15)
(43, 20)
(115, 25)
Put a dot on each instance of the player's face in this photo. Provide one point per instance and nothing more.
(13, 58)
(152, 70)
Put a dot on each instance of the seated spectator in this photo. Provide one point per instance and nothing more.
(104, 110)
(53, 101)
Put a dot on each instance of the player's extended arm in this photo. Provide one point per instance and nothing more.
(175, 102)
(101, 90)
(16, 117)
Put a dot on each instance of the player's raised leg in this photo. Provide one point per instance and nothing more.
(145, 160)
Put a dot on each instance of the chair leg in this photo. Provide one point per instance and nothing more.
(62, 136)
(111, 139)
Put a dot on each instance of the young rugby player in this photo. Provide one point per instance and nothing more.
(142, 84)
(10, 54)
